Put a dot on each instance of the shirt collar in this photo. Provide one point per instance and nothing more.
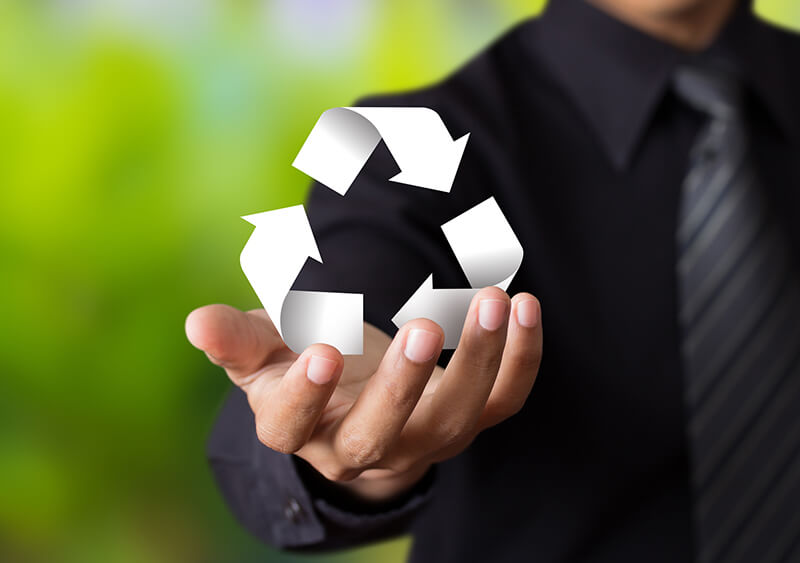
(757, 49)
(617, 75)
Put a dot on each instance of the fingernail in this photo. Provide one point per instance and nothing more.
(421, 345)
(320, 370)
(491, 313)
(527, 313)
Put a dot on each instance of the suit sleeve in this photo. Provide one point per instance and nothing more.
(285, 503)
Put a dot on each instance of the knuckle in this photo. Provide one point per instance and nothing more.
(399, 395)
(277, 438)
(303, 412)
(505, 407)
(481, 354)
(527, 360)
(403, 465)
(358, 451)
(451, 432)
(337, 473)
(483, 362)
(453, 450)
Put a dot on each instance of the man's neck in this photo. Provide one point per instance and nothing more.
(691, 27)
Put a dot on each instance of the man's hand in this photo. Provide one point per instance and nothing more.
(375, 423)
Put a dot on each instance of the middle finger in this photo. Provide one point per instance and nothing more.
(377, 417)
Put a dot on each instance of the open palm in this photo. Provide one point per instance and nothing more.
(378, 421)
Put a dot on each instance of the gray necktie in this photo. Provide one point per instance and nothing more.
(739, 307)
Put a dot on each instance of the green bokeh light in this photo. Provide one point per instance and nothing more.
(133, 134)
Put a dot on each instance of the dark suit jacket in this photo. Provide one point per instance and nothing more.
(576, 133)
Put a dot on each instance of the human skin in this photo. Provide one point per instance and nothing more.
(689, 24)
(374, 424)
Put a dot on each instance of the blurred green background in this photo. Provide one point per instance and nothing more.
(133, 134)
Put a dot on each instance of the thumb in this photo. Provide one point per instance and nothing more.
(240, 342)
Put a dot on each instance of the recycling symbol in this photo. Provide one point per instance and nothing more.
(334, 153)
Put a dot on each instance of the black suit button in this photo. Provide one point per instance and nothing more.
(292, 510)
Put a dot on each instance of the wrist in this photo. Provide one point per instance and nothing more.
(385, 487)
(372, 493)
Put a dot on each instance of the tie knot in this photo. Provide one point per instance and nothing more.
(710, 90)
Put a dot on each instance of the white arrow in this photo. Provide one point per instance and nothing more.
(485, 245)
(445, 307)
(272, 259)
(489, 253)
(343, 139)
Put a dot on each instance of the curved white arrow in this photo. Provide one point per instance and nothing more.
(272, 259)
(489, 253)
(445, 307)
(343, 139)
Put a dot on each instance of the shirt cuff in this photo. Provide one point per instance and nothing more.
(286, 503)
(350, 521)
(306, 510)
